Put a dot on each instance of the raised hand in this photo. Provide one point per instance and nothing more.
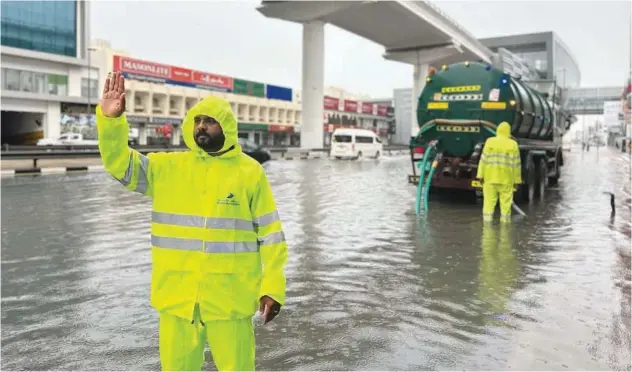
(113, 98)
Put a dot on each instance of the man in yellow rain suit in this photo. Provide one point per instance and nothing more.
(499, 170)
(218, 248)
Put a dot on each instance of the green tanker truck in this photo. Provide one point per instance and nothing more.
(460, 107)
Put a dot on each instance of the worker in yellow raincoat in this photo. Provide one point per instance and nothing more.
(499, 170)
(499, 271)
(218, 247)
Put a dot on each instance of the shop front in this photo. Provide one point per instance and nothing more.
(281, 135)
(257, 133)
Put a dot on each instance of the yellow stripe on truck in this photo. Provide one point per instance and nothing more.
(438, 105)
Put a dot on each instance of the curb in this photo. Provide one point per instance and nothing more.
(321, 155)
(100, 168)
(51, 170)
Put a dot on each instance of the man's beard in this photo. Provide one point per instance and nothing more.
(209, 143)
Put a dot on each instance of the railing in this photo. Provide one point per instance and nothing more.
(36, 153)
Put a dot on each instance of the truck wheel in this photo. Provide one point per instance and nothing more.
(542, 179)
(526, 191)
(359, 156)
(558, 162)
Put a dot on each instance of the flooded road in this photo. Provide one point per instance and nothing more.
(370, 286)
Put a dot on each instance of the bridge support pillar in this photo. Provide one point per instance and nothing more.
(420, 73)
(142, 134)
(313, 85)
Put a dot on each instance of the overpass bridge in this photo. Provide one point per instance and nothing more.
(589, 101)
(412, 32)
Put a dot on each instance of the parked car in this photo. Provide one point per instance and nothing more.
(255, 151)
(67, 139)
(132, 137)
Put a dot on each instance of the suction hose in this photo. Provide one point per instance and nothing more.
(422, 173)
(428, 182)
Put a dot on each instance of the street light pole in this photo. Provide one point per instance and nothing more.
(90, 50)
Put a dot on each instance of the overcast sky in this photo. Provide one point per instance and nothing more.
(232, 38)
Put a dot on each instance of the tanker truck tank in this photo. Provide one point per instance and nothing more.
(461, 106)
(475, 93)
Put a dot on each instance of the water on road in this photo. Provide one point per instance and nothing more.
(370, 285)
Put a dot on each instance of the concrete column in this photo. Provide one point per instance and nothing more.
(130, 102)
(420, 73)
(52, 120)
(142, 134)
(175, 135)
(313, 84)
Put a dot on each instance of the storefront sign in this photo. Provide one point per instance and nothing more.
(331, 103)
(252, 126)
(164, 120)
(249, 88)
(159, 73)
(382, 110)
(367, 108)
(281, 128)
(203, 79)
(137, 119)
(350, 106)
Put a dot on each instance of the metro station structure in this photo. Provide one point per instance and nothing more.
(412, 32)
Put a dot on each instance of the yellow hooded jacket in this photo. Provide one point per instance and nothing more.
(215, 233)
(500, 161)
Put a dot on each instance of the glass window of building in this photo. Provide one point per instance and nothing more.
(12, 79)
(58, 85)
(39, 82)
(43, 26)
(93, 87)
(26, 81)
(565, 67)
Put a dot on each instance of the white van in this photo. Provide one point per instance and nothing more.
(355, 143)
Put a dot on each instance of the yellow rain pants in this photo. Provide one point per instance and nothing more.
(492, 192)
(181, 343)
(500, 169)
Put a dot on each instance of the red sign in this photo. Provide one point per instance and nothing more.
(332, 127)
(214, 80)
(280, 128)
(382, 110)
(350, 106)
(181, 74)
(331, 103)
(140, 67)
(166, 72)
(367, 108)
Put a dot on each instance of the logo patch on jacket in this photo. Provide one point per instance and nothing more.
(228, 200)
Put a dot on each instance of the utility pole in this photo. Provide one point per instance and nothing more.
(90, 50)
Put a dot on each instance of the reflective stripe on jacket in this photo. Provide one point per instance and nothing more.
(500, 160)
(216, 235)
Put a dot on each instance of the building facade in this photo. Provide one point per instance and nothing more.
(159, 95)
(47, 78)
(545, 52)
(346, 110)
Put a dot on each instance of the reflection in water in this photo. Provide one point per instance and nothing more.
(498, 271)
(370, 285)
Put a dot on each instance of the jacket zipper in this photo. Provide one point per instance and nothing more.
(197, 294)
